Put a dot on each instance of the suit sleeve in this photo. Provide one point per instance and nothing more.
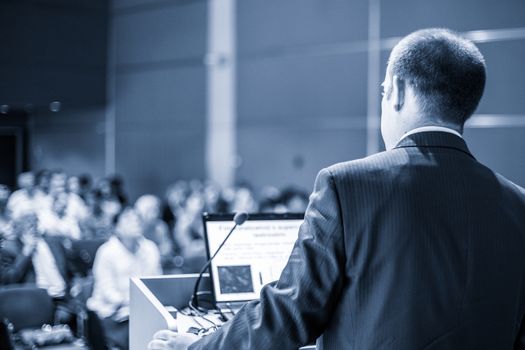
(295, 311)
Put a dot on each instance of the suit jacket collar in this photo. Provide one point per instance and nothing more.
(434, 139)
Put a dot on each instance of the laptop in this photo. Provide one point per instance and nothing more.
(254, 255)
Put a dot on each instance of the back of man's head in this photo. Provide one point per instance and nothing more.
(446, 71)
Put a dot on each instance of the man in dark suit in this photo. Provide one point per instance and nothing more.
(418, 247)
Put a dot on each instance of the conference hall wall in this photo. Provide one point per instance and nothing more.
(55, 50)
(307, 95)
(158, 91)
(307, 79)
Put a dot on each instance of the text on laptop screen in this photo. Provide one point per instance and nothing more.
(254, 255)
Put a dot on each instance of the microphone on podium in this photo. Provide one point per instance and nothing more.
(239, 218)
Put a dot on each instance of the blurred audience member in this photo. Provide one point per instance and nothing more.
(85, 181)
(113, 187)
(5, 222)
(188, 228)
(57, 183)
(213, 202)
(228, 195)
(41, 259)
(99, 223)
(127, 254)
(73, 185)
(112, 198)
(294, 200)
(30, 257)
(176, 196)
(76, 206)
(57, 221)
(175, 199)
(23, 199)
(43, 180)
(270, 199)
(154, 229)
(244, 200)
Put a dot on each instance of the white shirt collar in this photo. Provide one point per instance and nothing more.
(431, 128)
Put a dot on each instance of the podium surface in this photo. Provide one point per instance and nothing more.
(150, 299)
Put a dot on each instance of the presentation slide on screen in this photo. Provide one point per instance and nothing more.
(254, 255)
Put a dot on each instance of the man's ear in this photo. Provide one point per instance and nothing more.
(398, 92)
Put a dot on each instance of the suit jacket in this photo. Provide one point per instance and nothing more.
(419, 247)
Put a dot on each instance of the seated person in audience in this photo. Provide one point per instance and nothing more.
(25, 197)
(154, 229)
(213, 202)
(85, 182)
(29, 257)
(295, 200)
(5, 222)
(176, 196)
(189, 230)
(125, 255)
(43, 181)
(99, 222)
(76, 207)
(112, 190)
(57, 183)
(243, 200)
(57, 221)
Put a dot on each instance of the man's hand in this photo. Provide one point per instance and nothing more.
(169, 340)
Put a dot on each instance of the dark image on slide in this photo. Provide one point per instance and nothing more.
(235, 279)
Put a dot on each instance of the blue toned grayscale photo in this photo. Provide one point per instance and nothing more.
(262, 174)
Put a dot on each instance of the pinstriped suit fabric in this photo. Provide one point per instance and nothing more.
(420, 247)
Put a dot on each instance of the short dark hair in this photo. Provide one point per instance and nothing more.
(446, 71)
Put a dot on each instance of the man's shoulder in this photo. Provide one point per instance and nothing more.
(377, 162)
(511, 187)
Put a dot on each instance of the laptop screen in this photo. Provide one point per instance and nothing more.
(254, 255)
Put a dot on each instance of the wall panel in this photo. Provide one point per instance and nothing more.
(168, 32)
(72, 141)
(273, 23)
(281, 156)
(505, 87)
(461, 15)
(302, 87)
(160, 92)
(174, 94)
(151, 158)
(501, 149)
